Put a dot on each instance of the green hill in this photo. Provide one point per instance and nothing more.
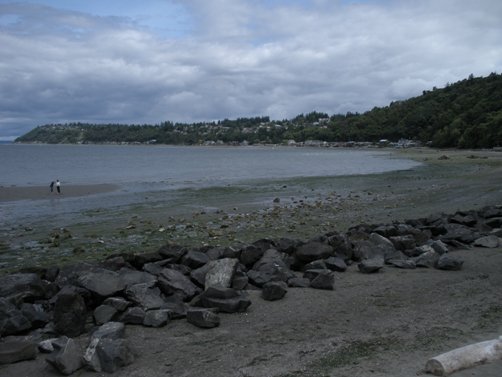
(466, 114)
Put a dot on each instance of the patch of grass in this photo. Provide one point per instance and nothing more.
(490, 317)
(346, 355)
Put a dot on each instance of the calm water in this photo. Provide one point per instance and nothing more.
(175, 167)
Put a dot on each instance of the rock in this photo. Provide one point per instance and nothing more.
(102, 282)
(466, 220)
(221, 273)
(403, 242)
(145, 295)
(336, 264)
(156, 318)
(495, 222)
(286, 245)
(227, 300)
(118, 303)
(36, 314)
(198, 276)
(372, 265)
(298, 282)
(458, 232)
(487, 241)
(324, 280)
(70, 313)
(204, 318)
(172, 282)
(131, 277)
(12, 351)
(46, 346)
(403, 263)
(103, 314)
(66, 358)
(108, 355)
(194, 259)
(250, 255)
(427, 259)
(12, 320)
(240, 279)
(318, 264)
(21, 287)
(173, 253)
(274, 290)
(133, 316)
(270, 267)
(110, 330)
(439, 247)
(313, 250)
(449, 262)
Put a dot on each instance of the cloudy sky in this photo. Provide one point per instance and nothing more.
(148, 61)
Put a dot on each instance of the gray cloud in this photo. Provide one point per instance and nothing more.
(241, 58)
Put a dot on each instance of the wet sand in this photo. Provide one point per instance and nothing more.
(14, 193)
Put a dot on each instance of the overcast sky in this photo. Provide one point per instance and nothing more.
(129, 61)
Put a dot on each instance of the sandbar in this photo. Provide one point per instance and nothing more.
(13, 193)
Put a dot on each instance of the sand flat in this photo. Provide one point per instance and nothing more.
(13, 193)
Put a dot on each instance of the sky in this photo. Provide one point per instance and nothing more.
(149, 61)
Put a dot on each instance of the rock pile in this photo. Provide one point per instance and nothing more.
(47, 310)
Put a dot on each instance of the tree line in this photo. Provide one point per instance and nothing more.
(465, 114)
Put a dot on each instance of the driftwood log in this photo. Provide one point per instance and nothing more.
(465, 357)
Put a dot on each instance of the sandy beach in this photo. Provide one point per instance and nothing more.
(386, 324)
(13, 193)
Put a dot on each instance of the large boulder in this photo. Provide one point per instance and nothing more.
(156, 318)
(221, 272)
(12, 320)
(172, 282)
(103, 314)
(372, 265)
(449, 263)
(270, 267)
(321, 279)
(204, 318)
(14, 350)
(227, 300)
(145, 295)
(131, 277)
(21, 287)
(335, 264)
(488, 241)
(195, 259)
(70, 313)
(313, 250)
(103, 283)
(274, 290)
(67, 357)
(108, 355)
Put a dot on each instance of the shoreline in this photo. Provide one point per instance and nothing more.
(15, 193)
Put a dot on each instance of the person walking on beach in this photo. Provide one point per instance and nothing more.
(58, 186)
(52, 186)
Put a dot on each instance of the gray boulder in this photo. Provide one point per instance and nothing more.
(156, 318)
(312, 251)
(449, 263)
(336, 264)
(110, 330)
(133, 316)
(14, 350)
(321, 279)
(227, 300)
(372, 265)
(274, 290)
(407, 264)
(172, 282)
(194, 259)
(270, 267)
(102, 282)
(21, 287)
(439, 246)
(145, 295)
(250, 255)
(131, 277)
(108, 355)
(12, 320)
(298, 282)
(221, 272)
(403, 242)
(204, 318)
(487, 241)
(427, 259)
(70, 313)
(495, 222)
(67, 357)
(198, 276)
(36, 314)
(103, 314)
(118, 303)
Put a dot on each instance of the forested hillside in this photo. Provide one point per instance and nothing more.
(466, 114)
